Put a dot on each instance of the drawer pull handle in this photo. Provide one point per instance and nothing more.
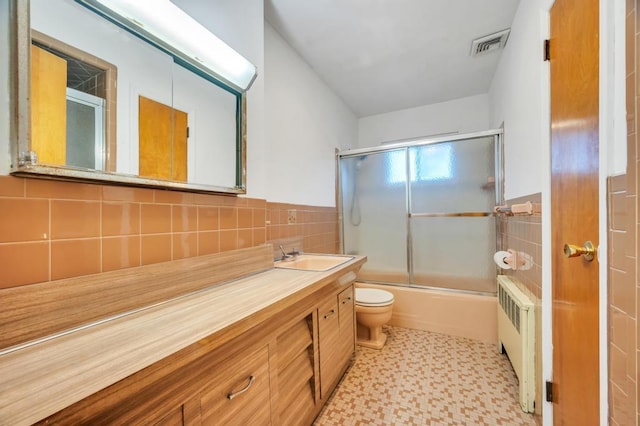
(347, 300)
(331, 312)
(243, 390)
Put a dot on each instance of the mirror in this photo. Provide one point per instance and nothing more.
(108, 104)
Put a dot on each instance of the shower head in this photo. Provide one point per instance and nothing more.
(359, 161)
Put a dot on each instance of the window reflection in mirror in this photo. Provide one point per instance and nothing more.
(108, 123)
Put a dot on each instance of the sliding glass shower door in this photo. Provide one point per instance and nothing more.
(452, 231)
(422, 212)
(375, 214)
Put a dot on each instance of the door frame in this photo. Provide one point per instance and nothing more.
(612, 142)
(98, 106)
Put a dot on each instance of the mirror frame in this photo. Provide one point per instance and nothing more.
(20, 39)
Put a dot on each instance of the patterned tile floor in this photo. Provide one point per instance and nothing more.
(424, 378)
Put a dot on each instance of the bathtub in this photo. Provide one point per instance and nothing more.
(449, 312)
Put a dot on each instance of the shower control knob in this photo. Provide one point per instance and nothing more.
(587, 251)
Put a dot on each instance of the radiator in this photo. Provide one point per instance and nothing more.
(516, 337)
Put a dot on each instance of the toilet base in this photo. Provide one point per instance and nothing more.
(373, 344)
(370, 320)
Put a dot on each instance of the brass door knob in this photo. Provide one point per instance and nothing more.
(587, 251)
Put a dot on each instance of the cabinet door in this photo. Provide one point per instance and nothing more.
(346, 315)
(329, 351)
(239, 393)
(296, 379)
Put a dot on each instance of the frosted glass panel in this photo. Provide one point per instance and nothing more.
(453, 177)
(374, 214)
(454, 253)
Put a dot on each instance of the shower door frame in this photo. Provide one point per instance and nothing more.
(405, 144)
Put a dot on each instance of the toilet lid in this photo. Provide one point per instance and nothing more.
(373, 297)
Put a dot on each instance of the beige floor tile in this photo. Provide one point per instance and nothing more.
(423, 378)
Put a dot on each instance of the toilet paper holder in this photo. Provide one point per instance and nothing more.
(527, 208)
(512, 259)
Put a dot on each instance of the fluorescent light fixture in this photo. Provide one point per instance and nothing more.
(168, 26)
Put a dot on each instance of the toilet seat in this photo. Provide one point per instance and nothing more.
(373, 297)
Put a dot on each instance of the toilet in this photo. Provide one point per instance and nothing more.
(373, 310)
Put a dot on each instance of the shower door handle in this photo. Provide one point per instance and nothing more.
(587, 251)
(458, 214)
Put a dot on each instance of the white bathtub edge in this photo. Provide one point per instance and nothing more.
(457, 314)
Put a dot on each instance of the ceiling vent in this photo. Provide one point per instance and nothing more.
(489, 43)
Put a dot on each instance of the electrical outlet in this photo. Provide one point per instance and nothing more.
(291, 217)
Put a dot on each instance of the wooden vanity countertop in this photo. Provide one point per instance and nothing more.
(39, 380)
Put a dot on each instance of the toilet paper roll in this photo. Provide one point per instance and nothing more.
(501, 258)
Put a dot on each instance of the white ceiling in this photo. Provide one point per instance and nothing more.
(386, 55)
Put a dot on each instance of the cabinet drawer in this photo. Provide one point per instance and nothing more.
(239, 392)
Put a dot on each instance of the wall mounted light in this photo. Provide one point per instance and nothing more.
(170, 28)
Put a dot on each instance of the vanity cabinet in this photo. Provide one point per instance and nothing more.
(197, 386)
(278, 371)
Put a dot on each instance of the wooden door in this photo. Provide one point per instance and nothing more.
(179, 146)
(574, 204)
(48, 106)
(162, 142)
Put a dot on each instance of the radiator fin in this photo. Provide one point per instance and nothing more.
(510, 307)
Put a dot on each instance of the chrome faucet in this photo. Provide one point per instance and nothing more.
(288, 256)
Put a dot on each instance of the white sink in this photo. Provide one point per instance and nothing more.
(313, 262)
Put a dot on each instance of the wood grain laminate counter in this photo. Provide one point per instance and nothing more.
(40, 380)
